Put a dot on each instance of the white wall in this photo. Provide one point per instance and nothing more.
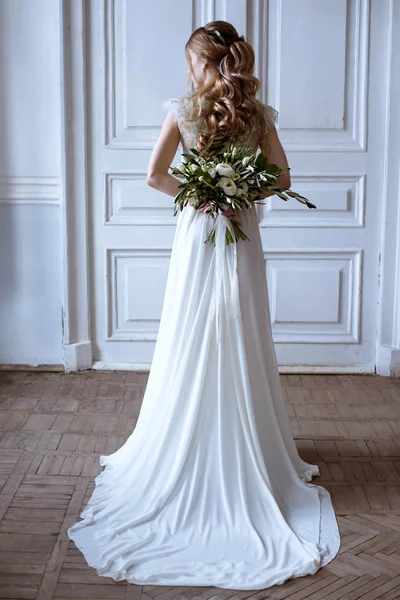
(30, 224)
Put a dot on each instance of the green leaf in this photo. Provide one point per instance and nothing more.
(261, 162)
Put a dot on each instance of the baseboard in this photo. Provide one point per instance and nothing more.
(29, 368)
(101, 365)
(327, 369)
(388, 361)
(78, 357)
(283, 369)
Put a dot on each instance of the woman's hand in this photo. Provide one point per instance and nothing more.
(204, 207)
(228, 212)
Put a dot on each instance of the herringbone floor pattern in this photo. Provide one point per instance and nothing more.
(53, 427)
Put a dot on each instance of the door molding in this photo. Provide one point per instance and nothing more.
(388, 334)
(77, 345)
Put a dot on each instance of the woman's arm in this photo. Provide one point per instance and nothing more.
(272, 148)
(162, 156)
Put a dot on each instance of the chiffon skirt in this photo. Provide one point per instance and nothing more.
(209, 489)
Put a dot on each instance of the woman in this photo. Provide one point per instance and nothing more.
(209, 489)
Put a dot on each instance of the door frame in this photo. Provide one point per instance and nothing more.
(77, 342)
(388, 333)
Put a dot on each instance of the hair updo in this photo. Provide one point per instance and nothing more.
(227, 102)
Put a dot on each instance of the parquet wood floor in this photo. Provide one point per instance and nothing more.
(54, 426)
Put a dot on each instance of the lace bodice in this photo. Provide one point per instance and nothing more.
(189, 130)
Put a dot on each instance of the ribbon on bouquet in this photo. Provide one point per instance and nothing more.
(226, 274)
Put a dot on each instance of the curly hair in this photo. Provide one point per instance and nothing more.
(226, 103)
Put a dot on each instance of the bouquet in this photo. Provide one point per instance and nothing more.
(232, 178)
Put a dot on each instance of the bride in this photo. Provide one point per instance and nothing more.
(209, 489)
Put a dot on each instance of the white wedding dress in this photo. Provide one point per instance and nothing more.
(209, 489)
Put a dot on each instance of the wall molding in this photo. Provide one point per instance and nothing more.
(35, 190)
(74, 194)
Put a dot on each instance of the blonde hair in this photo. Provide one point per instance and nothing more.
(226, 103)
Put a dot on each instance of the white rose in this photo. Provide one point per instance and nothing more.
(213, 172)
(228, 186)
(224, 169)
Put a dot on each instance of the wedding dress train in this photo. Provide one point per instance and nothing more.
(209, 489)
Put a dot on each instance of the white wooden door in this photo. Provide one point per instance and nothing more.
(319, 66)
